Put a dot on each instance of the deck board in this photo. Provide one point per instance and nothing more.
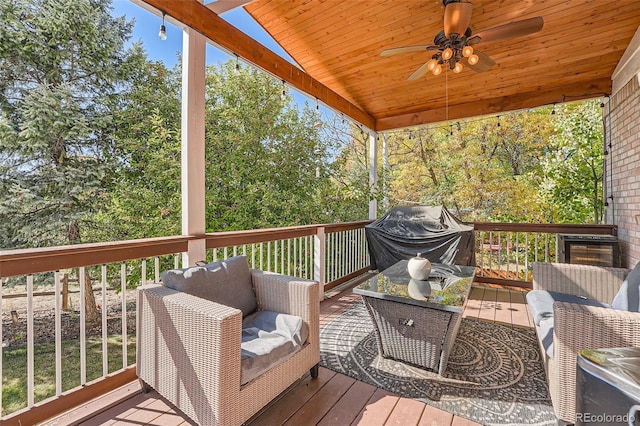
(519, 311)
(290, 402)
(378, 409)
(488, 307)
(347, 408)
(315, 409)
(406, 412)
(503, 306)
(432, 416)
(332, 398)
(474, 302)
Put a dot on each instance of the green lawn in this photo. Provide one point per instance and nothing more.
(14, 368)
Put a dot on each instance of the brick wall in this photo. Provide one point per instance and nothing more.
(623, 178)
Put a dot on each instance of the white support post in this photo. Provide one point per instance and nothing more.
(373, 173)
(193, 152)
(319, 259)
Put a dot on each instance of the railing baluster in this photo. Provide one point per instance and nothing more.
(490, 253)
(546, 247)
(336, 256)
(123, 310)
(83, 335)
(508, 247)
(261, 254)
(289, 256)
(156, 267)
(1, 340)
(481, 251)
(348, 264)
(342, 255)
(105, 357)
(58, 331)
(526, 257)
(282, 256)
(331, 249)
(30, 344)
(143, 279)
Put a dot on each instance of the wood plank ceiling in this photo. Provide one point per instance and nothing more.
(338, 42)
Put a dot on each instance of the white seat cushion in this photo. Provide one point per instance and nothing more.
(269, 338)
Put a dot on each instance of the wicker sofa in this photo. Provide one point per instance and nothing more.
(579, 307)
(192, 350)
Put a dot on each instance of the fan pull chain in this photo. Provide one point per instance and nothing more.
(446, 93)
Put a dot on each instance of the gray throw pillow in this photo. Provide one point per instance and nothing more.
(628, 297)
(227, 282)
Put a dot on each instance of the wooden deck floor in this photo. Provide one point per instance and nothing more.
(332, 399)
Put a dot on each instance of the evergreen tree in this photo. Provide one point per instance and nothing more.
(63, 64)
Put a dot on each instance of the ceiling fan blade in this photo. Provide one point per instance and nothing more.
(512, 30)
(457, 17)
(484, 64)
(406, 49)
(422, 70)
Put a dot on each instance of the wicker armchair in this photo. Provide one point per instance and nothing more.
(580, 326)
(189, 348)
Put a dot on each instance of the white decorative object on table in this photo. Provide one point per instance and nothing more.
(419, 268)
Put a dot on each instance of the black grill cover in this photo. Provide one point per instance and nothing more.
(408, 230)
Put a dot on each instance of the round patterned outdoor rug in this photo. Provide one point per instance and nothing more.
(494, 375)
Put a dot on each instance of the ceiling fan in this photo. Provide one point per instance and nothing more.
(454, 44)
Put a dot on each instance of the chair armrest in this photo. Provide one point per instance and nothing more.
(197, 371)
(577, 327)
(288, 295)
(593, 282)
(580, 327)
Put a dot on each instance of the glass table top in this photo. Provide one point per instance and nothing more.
(447, 288)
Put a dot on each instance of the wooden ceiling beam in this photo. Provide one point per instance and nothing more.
(496, 105)
(199, 17)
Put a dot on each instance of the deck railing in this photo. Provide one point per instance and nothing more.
(505, 251)
(85, 352)
(65, 358)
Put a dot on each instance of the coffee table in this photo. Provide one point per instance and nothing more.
(416, 322)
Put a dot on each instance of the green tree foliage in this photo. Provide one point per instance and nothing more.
(143, 198)
(481, 169)
(347, 196)
(266, 163)
(62, 65)
(527, 166)
(573, 169)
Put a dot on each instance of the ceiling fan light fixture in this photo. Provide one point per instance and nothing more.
(453, 43)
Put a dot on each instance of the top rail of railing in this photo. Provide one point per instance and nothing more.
(35, 260)
(549, 228)
(236, 238)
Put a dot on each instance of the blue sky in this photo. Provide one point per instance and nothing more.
(147, 25)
